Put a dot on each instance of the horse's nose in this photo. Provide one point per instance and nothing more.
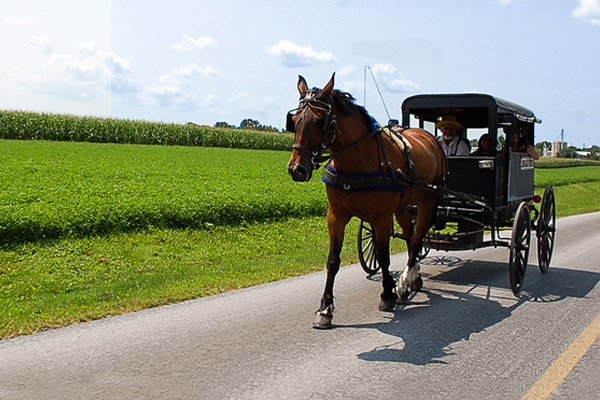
(298, 173)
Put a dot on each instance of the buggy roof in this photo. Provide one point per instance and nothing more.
(472, 109)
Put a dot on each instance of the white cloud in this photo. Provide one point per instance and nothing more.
(168, 96)
(588, 10)
(178, 76)
(293, 55)
(42, 42)
(389, 78)
(86, 74)
(173, 88)
(16, 21)
(192, 70)
(241, 98)
(188, 43)
(347, 70)
(211, 100)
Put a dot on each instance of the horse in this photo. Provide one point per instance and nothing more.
(368, 176)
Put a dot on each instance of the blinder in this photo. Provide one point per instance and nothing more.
(290, 126)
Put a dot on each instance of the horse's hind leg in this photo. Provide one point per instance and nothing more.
(383, 230)
(336, 225)
(410, 277)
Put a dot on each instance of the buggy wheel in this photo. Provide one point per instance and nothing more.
(546, 229)
(366, 248)
(519, 247)
(425, 249)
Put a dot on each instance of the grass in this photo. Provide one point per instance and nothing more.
(566, 176)
(45, 285)
(575, 199)
(132, 255)
(56, 189)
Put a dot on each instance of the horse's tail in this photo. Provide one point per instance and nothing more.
(442, 170)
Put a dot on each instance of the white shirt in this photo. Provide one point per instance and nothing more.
(456, 147)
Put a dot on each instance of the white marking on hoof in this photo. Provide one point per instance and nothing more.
(407, 278)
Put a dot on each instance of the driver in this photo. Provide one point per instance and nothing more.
(451, 143)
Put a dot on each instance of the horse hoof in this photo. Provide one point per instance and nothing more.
(323, 322)
(417, 285)
(387, 304)
(402, 298)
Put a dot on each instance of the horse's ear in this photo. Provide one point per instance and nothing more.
(302, 86)
(326, 91)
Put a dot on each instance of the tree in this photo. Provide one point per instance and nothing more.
(569, 152)
(223, 124)
(539, 147)
(249, 124)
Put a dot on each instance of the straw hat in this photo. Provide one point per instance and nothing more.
(448, 120)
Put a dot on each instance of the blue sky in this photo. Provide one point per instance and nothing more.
(208, 61)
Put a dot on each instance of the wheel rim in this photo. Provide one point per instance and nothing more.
(546, 229)
(519, 247)
(366, 248)
(424, 250)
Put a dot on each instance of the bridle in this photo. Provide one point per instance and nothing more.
(315, 152)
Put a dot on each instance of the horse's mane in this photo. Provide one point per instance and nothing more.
(346, 104)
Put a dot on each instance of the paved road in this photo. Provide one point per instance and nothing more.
(465, 336)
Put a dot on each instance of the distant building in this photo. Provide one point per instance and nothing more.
(557, 147)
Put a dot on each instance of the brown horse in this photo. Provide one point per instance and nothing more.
(328, 119)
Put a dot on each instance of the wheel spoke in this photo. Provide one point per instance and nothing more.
(367, 248)
(368, 235)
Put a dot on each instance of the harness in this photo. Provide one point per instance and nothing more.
(385, 179)
(363, 182)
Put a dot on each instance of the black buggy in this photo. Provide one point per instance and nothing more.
(486, 192)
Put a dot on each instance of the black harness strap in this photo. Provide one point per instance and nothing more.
(385, 178)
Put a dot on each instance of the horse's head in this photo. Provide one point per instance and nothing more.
(314, 126)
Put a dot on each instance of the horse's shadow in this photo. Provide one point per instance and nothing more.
(438, 318)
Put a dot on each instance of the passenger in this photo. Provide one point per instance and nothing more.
(518, 144)
(482, 146)
(451, 143)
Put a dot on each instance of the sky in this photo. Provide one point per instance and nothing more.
(213, 61)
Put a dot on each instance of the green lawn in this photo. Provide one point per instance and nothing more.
(165, 224)
(64, 189)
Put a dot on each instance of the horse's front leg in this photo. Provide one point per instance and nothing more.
(336, 224)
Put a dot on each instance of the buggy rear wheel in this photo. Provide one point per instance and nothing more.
(546, 229)
(519, 247)
(366, 248)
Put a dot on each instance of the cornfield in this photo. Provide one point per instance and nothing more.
(35, 126)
